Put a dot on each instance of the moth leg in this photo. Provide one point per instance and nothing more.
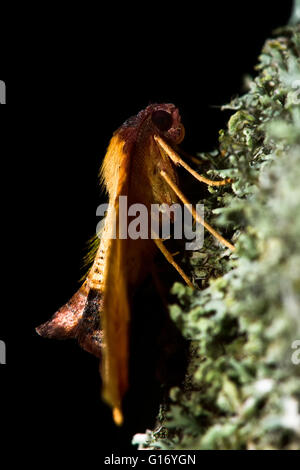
(178, 161)
(169, 257)
(193, 158)
(176, 253)
(194, 213)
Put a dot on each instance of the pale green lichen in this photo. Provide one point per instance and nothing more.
(242, 389)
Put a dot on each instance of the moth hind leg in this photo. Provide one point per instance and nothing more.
(194, 213)
(169, 257)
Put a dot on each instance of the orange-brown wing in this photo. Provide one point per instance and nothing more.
(116, 312)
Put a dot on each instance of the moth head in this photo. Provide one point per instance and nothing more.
(167, 122)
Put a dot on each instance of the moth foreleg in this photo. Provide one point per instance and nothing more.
(178, 161)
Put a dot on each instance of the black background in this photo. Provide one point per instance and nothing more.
(75, 79)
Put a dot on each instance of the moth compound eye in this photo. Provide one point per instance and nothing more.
(162, 120)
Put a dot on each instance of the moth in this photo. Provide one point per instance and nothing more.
(140, 164)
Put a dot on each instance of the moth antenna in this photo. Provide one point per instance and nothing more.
(178, 161)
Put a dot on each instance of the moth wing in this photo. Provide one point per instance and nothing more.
(116, 310)
(64, 323)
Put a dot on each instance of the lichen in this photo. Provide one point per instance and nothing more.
(242, 389)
